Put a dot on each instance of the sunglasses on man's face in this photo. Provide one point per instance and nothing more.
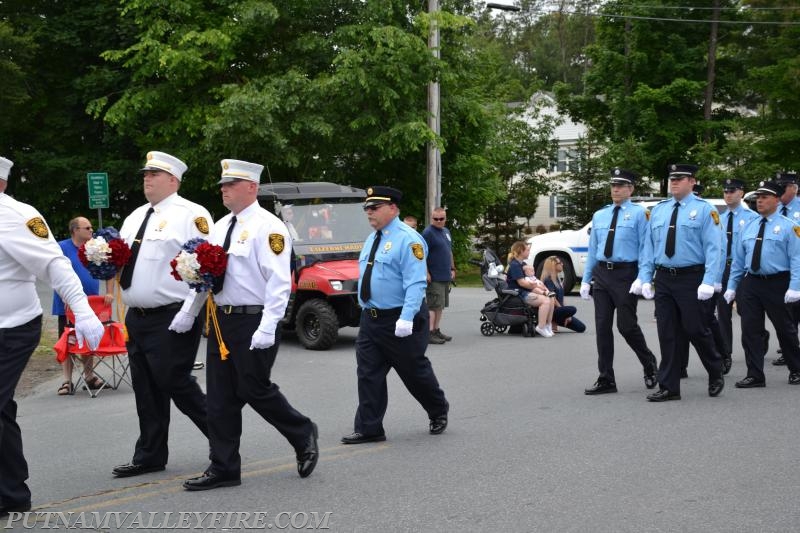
(375, 207)
(438, 219)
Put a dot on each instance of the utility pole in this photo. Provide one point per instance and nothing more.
(433, 196)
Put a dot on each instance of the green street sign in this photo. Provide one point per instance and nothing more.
(98, 190)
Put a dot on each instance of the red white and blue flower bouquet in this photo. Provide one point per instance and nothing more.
(104, 254)
(199, 263)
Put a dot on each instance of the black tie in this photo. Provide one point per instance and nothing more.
(755, 264)
(611, 231)
(729, 231)
(670, 249)
(784, 211)
(127, 272)
(366, 290)
(219, 281)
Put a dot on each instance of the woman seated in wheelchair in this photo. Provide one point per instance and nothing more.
(532, 291)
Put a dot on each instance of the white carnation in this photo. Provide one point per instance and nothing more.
(188, 267)
(97, 250)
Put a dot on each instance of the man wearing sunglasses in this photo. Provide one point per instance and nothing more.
(393, 331)
(441, 272)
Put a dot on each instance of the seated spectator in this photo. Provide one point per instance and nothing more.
(532, 292)
(563, 315)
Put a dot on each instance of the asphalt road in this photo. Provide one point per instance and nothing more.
(526, 450)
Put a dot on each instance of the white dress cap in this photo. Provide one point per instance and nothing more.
(167, 163)
(5, 167)
(234, 169)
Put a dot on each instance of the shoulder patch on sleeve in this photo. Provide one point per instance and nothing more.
(796, 230)
(647, 214)
(38, 227)
(276, 242)
(201, 224)
(416, 249)
(715, 217)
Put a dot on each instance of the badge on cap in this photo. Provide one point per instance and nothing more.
(38, 227)
(369, 191)
(276, 242)
(417, 250)
(202, 225)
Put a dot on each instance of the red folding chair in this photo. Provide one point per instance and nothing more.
(111, 356)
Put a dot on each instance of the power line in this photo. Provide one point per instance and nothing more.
(668, 19)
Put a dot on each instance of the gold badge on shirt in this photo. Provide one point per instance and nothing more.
(276, 242)
(202, 225)
(38, 227)
(715, 217)
(417, 250)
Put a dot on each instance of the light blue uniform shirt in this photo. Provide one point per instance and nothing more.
(399, 273)
(741, 216)
(697, 238)
(780, 250)
(792, 210)
(628, 242)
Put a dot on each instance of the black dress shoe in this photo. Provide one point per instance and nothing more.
(601, 386)
(438, 425)
(750, 383)
(307, 458)
(727, 363)
(684, 373)
(780, 361)
(132, 469)
(650, 381)
(210, 480)
(715, 386)
(360, 438)
(794, 378)
(663, 395)
(14, 508)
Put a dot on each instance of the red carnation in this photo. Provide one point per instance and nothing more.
(120, 253)
(212, 259)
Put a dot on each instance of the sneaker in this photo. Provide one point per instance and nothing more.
(433, 338)
(543, 332)
(447, 338)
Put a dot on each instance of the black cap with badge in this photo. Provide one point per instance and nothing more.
(731, 184)
(622, 176)
(770, 187)
(378, 194)
(786, 178)
(682, 170)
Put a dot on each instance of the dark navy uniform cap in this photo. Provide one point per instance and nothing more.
(378, 194)
(620, 175)
(770, 187)
(698, 188)
(731, 184)
(679, 170)
(786, 178)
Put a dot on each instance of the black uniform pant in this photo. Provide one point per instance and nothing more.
(708, 306)
(16, 346)
(679, 314)
(755, 298)
(161, 369)
(378, 350)
(610, 293)
(725, 317)
(244, 378)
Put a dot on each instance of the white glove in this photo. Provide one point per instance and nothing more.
(585, 291)
(718, 287)
(89, 330)
(262, 340)
(636, 287)
(705, 291)
(182, 322)
(647, 291)
(791, 296)
(729, 296)
(402, 328)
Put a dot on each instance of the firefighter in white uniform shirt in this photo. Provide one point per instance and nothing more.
(251, 300)
(161, 360)
(28, 251)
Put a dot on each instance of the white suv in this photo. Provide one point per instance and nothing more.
(572, 246)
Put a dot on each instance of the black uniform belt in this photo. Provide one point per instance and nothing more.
(144, 311)
(381, 313)
(240, 309)
(608, 265)
(777, 275)
(674, 271)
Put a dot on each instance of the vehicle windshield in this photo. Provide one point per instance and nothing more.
(325, 225)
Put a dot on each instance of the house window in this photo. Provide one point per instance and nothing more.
(560, 206)
(567, 161)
